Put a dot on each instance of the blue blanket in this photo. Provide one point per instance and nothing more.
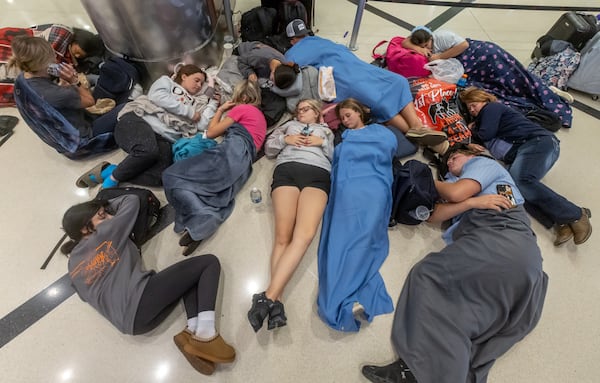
(202, 188)
(354, 235)
(385, 92)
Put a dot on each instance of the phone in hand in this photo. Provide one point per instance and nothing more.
(306, 131)
(54, 70)
(506, 191)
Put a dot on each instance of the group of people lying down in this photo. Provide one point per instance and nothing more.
(494, 273)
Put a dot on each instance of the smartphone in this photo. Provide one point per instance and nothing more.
(306, 131)
(506, 191)
(54, 70)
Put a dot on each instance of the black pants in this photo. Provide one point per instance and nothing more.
(195, 279)
(149, 153)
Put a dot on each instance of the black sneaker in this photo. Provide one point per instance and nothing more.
(261, 305)
(277, 316)
(397, 372)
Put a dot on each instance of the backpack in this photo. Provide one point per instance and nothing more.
(116, 80)
(289, 10)
(258, 23)
(398, 59)
(413, 186)
(148, 214)
(545, 118)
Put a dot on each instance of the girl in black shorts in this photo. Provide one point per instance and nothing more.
(304, 149)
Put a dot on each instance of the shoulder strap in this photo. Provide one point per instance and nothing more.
(377, 55)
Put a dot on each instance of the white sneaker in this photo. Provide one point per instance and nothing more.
(563, 94)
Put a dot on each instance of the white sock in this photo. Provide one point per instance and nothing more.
(192, 324)
(205, 328)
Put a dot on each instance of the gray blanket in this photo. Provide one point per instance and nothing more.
(202, 188)
(463, 307)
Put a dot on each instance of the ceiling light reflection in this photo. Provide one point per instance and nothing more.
(66, 375)
(162, 371)
(252, 286)
(53, 292)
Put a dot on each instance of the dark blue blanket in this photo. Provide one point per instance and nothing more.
(385, 92)
(202, 188)
(490, 67)
(354, 235)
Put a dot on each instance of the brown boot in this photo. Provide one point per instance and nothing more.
(582, 228)
(215, 349)
(203, 366)
(563, 234)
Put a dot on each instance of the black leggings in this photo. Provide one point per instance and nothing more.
(149, 153)
(195, 279)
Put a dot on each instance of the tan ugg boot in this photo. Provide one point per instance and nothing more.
(214, 350)
(441, 148)
(203, 366)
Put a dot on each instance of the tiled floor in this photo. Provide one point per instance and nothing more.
(74, 344)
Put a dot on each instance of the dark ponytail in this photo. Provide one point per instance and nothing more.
(285, 75)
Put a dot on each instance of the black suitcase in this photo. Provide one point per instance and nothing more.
(576, 28)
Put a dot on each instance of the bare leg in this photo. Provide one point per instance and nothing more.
(406, 119)
(310, 207)
(285, 204)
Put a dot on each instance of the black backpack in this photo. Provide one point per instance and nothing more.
(545, 118)
(149, 212)
(116, 80)
(289, 10)
(258, 23)
(413, 186)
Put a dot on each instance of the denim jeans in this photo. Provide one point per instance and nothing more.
(533, 160)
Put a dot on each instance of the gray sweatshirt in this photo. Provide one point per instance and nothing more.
(106, 266)
(320, 156)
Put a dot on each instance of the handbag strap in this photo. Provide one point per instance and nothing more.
(377, 55)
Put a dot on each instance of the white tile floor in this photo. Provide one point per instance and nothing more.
(74, 344)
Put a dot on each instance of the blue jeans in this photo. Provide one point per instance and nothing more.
(533, 160)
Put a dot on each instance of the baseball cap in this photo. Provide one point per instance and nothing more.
(296, 28)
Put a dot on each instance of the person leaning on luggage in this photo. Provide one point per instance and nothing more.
(530, 151)
(106, 270)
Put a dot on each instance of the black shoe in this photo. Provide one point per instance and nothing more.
(261, 305)
(277, 316)
(185, 239)
(397, 372)
(190, 248)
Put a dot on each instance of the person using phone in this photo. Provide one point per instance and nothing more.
(463, 307)
(530, 151)
(59, 85)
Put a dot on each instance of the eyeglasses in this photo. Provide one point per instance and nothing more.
(303, 110)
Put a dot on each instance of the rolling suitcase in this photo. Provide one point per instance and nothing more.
(576, 28)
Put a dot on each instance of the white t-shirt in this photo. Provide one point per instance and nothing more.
(444, 40)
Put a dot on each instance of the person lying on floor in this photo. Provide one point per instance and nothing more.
(59, 86)
(386, 93)
(303, 148)
(530, 151)
(489, 66)
(463, 307)
(148, 127)
(354, 235)
(202, 188)
(106, 270)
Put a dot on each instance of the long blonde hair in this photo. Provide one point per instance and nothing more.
(31, 54)
(246, 92)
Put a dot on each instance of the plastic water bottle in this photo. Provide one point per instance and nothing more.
(462, 82)
(421, 213)
(255, 195)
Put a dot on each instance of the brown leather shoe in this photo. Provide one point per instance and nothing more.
(215, 349)
(203, 366)
(563, 234)
(582, 228)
